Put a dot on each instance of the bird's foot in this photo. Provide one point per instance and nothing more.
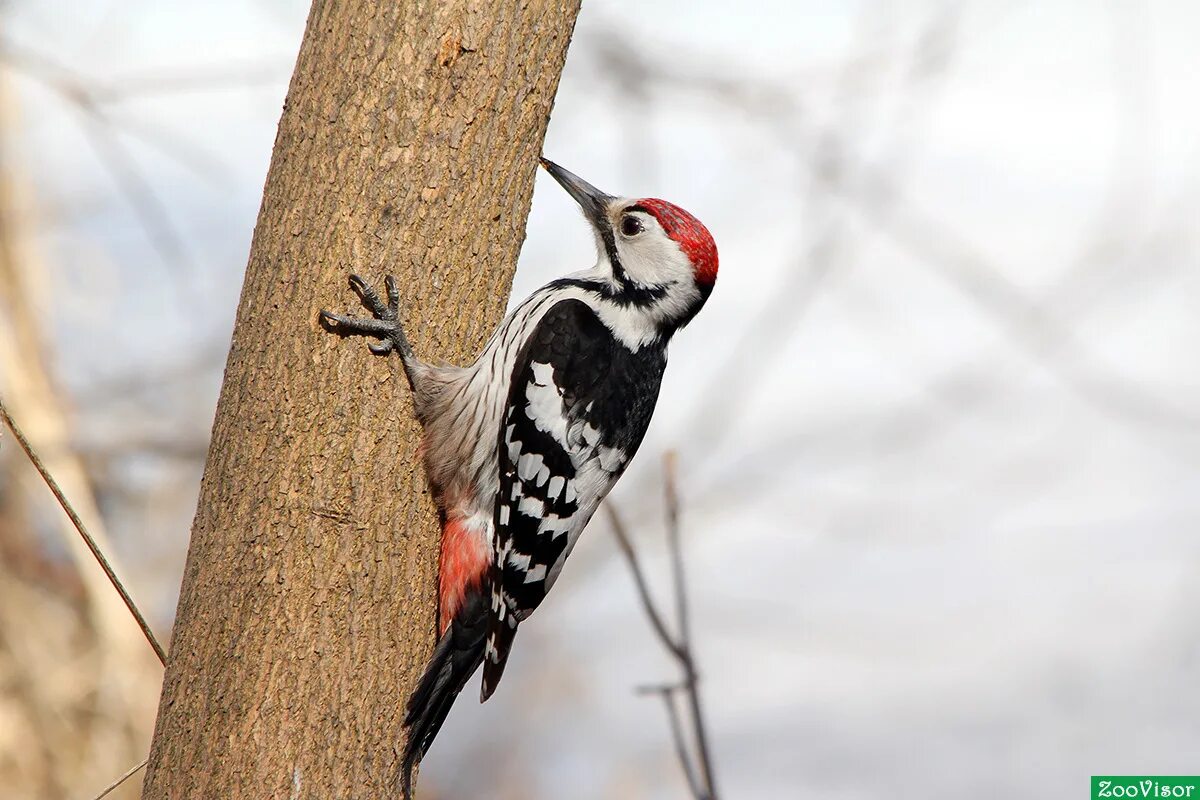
(385, 325)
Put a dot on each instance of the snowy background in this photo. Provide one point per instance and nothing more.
(938, 427)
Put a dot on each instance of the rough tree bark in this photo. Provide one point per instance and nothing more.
(408, 144)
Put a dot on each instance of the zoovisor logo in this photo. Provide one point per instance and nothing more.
(1125, 786)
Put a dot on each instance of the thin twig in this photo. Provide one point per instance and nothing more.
(655, 688)
(201, 78)
(102, 133)
(667, 693)
(147, 206)
(671, 498)
(691, 679)
(702, 785)
(90, 96)
(87, 537)
(128, 774)
(639, 580)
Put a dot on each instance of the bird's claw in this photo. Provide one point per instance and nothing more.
(386, 322)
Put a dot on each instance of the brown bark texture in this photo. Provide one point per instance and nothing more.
(408, 145)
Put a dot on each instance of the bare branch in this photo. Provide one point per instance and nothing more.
(202, 78)
(149, 209)
(89, 96)
(691, 679)
(667, 693)
(703, 786)
(102, 133)
(655, 688)
(87, 537)
(671, 496)
(129, 773)
(639, 580)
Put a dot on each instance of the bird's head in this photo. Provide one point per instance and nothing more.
(648, 248)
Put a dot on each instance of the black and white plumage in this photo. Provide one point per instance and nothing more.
(578, 407)
(522, 446)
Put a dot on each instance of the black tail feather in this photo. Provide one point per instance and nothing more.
(456, 657)
(500, 641)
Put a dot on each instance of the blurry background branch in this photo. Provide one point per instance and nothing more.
(88, 539)
(697, 767)
(120, 780)
(87, 720)
(873, 190)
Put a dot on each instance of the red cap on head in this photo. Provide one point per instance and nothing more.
(693, 238)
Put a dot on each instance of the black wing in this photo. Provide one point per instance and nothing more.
(578, 407)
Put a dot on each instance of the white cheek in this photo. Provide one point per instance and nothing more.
(653, 259)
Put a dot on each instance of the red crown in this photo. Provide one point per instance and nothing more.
(693, 238)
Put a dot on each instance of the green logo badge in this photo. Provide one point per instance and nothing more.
(1124, 786)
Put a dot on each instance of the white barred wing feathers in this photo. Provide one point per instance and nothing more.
(578, 407)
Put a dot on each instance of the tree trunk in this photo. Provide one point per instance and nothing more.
(408, 144)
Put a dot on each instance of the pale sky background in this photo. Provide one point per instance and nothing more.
(938, 426)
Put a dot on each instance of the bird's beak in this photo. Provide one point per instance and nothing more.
(593, 201)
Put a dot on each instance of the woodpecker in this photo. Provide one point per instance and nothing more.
(521, 446)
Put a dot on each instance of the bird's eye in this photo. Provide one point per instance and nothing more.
(631, 226)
